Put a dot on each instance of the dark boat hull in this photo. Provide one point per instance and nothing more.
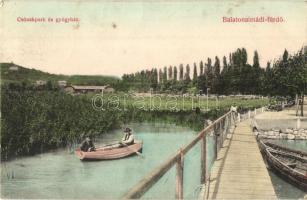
(273, 154)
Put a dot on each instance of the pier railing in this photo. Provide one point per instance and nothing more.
(250, 114)
(218, 129)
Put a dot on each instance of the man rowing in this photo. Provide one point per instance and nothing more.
(128, 138)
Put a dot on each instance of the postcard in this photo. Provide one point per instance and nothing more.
(167, 99)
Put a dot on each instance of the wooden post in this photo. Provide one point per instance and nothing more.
(230, 118)
(216, 141)
(179, 176)
(216, 146)
(298, 123)
(239, 117)
(249, 114)
(203, 160)
(255, 111)
(220, 132)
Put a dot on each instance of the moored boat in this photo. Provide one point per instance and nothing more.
(288, 163)
(110, 152)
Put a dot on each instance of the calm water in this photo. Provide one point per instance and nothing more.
(61, 174)
(283, 189)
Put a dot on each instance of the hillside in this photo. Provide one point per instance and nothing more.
(24, 74)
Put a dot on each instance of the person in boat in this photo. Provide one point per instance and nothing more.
(128, 138)
(87, 145)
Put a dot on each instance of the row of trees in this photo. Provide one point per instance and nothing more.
(285, 77)
(288, 76)
(222, 77)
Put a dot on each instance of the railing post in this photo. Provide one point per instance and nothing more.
(255, 112)
(203, 160)
(249, 114)
(298, 123)
(221, 134)
(179, 176)
(239, 117)
(216, 141)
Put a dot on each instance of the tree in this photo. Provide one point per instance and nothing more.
(285, 56)
(201, 68)
(297, 72)
(154, 78)
(216, 76)
(256, 60)
(181, 72)
(209, 73)
(244, 56)
(224, 64)
(288, 76)
(230, 59)
(187, 73)
(160, 76)
(164, 75)
(195, 72)
(170, 73)
(217, 67)
(175, 73)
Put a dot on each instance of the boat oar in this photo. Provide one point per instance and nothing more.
(105, 145)
(138, 153)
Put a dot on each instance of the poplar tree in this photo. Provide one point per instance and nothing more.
(181, 72)
(165, 75)
(160, 76)
(170, 73)
(187, 73)
(256, 60)
(201, 68)
(195, 72)
(175, 73)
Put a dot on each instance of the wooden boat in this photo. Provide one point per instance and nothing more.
(110, 152)
(288, 163)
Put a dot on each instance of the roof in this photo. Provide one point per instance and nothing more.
(87, 87)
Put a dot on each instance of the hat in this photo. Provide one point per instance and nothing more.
(127, 130)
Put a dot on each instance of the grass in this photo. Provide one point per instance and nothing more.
(121, 101)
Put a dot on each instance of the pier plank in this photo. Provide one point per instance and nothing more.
(240, 172)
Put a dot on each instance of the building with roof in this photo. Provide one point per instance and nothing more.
(86, 88)
(13, 68)
(40, 82)
(62, 83)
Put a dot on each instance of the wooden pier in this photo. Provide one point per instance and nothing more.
(239, 171)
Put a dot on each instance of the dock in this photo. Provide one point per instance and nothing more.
(239, 171)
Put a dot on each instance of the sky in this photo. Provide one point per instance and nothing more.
(117, 37)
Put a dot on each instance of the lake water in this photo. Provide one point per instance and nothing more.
(60, 174)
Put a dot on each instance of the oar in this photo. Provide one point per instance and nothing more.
(138, 153)
(105, 145)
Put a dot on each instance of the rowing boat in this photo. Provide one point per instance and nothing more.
(288, 163)
(110, 152)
